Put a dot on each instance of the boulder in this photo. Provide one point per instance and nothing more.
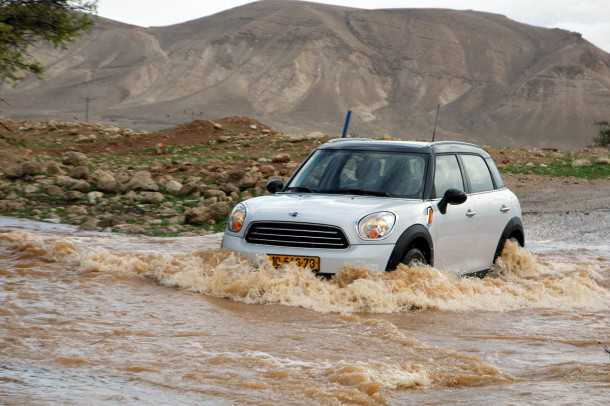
(53, 168)
(220, 209)
(80, 185)
(307, 137)
(188, 189)
(235, 175)
(74, 158)
(72, 184)
(9, 205)
(281, 158)
(198, 216)
(94, 197)
(142, 180)
(229, 188)
(14, 172)
(214, 193)
(32, 168)
(79, 172)
(74, 195)
(122, 177)
(54, 191)
(90, 224)
(248, 182)
(130, 196)
(86, 138)
(77, 211)
(267, 170)
(176, 220)
(173, 187)
(29, 168)
(30, 189)
(105, 181)
(150, 197)
(65, 181)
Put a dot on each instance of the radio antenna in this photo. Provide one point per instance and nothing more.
(438, 110)
(348, 118)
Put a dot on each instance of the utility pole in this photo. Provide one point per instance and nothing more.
(88, 101)
(438, 110)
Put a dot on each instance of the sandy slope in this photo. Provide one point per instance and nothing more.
(300, 66)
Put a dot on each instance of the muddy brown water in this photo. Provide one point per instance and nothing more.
(93, 318)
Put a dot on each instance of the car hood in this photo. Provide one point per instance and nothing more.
(339, 210)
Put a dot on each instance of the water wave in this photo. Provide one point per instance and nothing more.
(520, 280)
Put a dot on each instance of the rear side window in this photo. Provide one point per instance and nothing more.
(447, 175)
(478, 174)
(496, 173)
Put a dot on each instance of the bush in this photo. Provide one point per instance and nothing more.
(603, 138)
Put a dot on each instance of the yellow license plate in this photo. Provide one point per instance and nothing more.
(312, 263)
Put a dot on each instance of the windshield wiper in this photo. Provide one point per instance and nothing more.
(358, 192)
(300, 189)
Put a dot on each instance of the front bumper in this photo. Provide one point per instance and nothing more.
(372, 256)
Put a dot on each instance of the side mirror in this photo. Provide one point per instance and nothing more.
(275, 185)
(452, 196)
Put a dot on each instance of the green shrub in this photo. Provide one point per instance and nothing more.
(603, 138)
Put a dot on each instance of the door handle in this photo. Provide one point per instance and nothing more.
(471, 213)
(504, 209)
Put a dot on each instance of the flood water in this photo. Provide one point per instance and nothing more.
(93, 318)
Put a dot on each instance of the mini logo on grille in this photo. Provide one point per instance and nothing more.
(294, 214)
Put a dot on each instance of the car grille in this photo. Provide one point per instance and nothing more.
(303, 235)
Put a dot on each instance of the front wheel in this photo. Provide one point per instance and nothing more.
(414, 257)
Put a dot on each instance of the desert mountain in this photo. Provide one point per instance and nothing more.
(299, 66)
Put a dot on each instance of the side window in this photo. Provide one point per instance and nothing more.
(496, 173)
(478, 173)
(447, 175)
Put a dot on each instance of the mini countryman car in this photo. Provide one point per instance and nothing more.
(378, 204)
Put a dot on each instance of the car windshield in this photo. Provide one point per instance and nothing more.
(375, 173)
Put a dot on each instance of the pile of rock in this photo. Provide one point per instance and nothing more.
(97, 198)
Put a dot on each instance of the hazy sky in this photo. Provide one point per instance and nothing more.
(589, 17)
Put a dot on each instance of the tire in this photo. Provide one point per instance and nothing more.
(414, 257)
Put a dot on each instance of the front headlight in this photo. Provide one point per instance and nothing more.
(237, 218)
(376, 226)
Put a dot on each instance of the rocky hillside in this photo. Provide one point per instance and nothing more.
(180, 181)
(299, 66)
(184, 181)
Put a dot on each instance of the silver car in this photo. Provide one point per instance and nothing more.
(377, 204)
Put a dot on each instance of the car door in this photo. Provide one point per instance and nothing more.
(490, 209)
(451, 231)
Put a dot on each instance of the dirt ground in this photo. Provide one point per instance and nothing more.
(559, 213)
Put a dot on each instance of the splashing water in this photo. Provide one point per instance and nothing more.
(519, 280)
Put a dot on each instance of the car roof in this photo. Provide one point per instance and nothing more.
(440, 147)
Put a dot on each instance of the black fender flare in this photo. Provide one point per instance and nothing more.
(404, 243)
(514, 227)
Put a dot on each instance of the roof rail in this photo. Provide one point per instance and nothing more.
(455, 142)
(349, 139)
